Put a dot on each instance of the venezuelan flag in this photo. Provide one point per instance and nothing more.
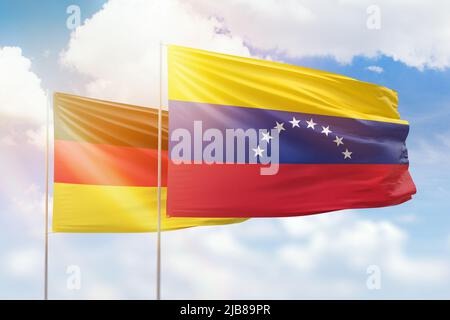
(341, 141)
(105, 168)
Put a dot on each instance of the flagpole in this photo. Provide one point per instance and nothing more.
(46, 198)
(158, 234)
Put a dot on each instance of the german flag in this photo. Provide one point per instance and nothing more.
(105, 168)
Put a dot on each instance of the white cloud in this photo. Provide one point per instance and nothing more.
(31, 200)
(358, 243)
(339, 29)
(376, 69)
(28, 209)
(431, 271)
(119, 47)
(103, 292)
(37, 137)
(23, 263)
(323, 256)
(21, 94)
(46, 54)
(8, 140)
(23, 105)
(326, 259)
(407, 218)
(435, 149)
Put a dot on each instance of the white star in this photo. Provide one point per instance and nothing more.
(294, 122)
(258, 151)
(279, 126)
(347, 154)
(326, 130)
(311, 123)
(338, 141)
(266, 136)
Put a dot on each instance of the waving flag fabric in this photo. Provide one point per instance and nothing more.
(341, 141)
(105, 168)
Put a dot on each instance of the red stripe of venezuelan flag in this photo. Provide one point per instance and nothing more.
(105, 168)
(318, 189)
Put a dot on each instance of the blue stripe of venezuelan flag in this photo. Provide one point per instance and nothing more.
(370, 142)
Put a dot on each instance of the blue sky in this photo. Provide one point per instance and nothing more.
(416, 234)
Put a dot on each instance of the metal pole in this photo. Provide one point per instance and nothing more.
(46, 199)
(158, 236)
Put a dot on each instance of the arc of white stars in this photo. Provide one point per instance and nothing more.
(279, 127)
(338, 141)
(294, 122)
(311, 124)
(347, 154)
(258, 151)
(326, 130)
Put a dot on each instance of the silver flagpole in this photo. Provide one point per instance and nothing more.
(158, 237)
(46, 198)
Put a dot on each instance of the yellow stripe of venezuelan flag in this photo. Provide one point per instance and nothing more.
(207, 77)
(98, 208)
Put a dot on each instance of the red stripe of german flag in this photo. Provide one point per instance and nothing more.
(102, 164)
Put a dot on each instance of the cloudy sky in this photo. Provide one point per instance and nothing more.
(113, 54)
